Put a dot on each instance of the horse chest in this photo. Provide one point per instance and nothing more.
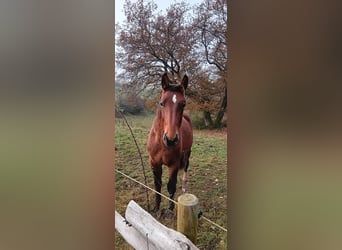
(170, 158)
(166, 157)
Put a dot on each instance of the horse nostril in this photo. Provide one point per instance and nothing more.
(176, 139)
(169, 142)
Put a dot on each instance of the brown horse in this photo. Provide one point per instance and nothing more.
(170, 138)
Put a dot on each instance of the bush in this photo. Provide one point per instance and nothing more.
(197, 120)
(131, 104)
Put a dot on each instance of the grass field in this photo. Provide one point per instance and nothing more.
(207, 178)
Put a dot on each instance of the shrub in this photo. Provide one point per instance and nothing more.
(197, 120)
(131, 104)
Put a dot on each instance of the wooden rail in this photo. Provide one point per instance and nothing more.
(142, 231)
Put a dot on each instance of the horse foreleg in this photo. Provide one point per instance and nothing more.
(171, 185)
(184, 181)
(157, 173)
(185, 174)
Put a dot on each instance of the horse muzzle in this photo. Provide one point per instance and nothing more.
(169, 142)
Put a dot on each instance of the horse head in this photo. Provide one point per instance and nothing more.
(171, 107)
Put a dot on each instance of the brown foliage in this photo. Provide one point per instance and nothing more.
(181, 40)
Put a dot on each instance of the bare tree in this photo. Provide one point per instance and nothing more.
(210, 25)
(150, 43)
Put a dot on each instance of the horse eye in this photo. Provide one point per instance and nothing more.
(162, 104)
(183, 104)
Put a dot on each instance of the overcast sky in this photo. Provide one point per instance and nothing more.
(162, 5)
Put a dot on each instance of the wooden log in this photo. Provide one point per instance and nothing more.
(156, 233)
(187, 216)
(131, 235)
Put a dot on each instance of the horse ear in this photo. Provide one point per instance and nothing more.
(185, 81)
(165, 81)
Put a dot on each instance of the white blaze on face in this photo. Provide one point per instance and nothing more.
(174, 98)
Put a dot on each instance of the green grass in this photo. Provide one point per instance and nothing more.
(207, 178)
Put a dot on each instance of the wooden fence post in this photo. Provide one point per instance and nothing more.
(187, 216)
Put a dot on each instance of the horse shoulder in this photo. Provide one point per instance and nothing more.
(153, 144)
(151, 140)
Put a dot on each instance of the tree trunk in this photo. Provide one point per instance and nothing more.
(222, 110)
(207, 119)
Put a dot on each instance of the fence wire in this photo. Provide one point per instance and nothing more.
(164, 196)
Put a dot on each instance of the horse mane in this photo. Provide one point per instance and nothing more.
(175, 87)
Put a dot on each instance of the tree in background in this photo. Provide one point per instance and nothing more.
(210, 26)
(182, 40)
(152, 44)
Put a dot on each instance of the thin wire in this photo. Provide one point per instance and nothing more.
(146, 186)
(141, 159)
(210, 221)
(222, 228)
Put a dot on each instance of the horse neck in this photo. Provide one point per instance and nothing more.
(157, 124)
